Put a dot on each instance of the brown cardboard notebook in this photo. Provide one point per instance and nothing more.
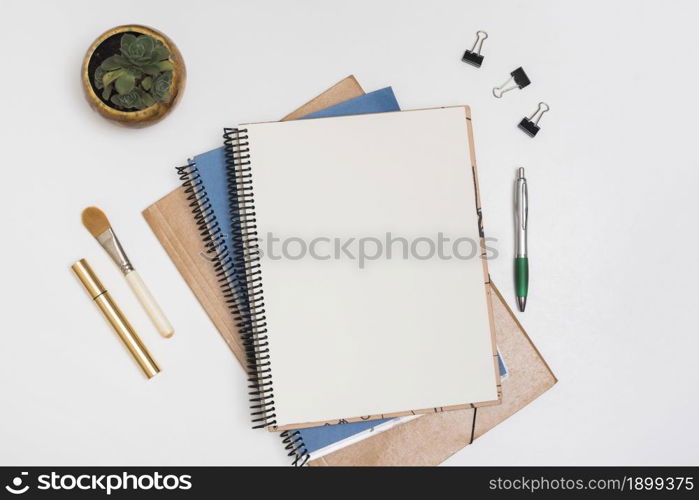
(172, 221)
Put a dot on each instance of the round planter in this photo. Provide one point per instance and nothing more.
(108, 44)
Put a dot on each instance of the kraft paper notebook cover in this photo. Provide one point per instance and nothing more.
(171, 220)
(330, 341)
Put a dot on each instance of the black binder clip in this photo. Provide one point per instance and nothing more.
(474, 56)
(520, 78)
(530, 125)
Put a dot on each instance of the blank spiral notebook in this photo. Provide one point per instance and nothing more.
(333, 342)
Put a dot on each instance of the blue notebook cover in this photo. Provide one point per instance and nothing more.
(212, 169)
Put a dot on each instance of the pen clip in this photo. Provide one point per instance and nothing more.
(523, 205)
(521, 200)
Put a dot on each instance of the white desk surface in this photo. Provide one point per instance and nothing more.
(613, 238)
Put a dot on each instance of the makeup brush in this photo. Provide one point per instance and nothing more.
(97, 223)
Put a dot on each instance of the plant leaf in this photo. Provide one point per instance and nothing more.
(125, 83)
(138, 104)
(111, 63)
(146, 98)
(123, 62)
(99, 74)
(165, 66)
(148, 43)
(136, 72)
(107, 92)
(108, 78)
(160, 53)
(128, 101)
(151, 69)
(161, 87)
(140, 50)
(126, 40)
(146, 83)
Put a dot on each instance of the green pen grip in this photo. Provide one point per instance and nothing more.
(522, 276)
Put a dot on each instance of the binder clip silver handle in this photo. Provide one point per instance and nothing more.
(519, 80)
(499, 91)
(536, 116)
(530, 124)
(478, 44)
(473, 56)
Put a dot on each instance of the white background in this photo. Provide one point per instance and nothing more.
(613, 242)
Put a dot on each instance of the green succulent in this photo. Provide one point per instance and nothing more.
(135, 98)
(161, 86)
(141, 74)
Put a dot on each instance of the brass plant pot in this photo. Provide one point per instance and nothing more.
(136, 118)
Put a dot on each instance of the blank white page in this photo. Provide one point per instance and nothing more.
(399, 334)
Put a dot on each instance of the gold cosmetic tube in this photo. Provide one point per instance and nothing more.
(116, 318)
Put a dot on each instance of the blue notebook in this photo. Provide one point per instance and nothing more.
(212, 171)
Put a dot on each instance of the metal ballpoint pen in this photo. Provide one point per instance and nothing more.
(521, 257)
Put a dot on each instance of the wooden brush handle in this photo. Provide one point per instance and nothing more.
(149, 304)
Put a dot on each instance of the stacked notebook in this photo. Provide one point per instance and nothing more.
(387, 365)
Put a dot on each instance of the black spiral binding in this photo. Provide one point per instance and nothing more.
(293, 443)
(247, 277)
(247, 281)
(212, 235)
(239, 277)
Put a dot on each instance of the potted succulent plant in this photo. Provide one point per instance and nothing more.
(133, 75)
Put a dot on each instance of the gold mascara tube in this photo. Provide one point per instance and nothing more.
(116, 318)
